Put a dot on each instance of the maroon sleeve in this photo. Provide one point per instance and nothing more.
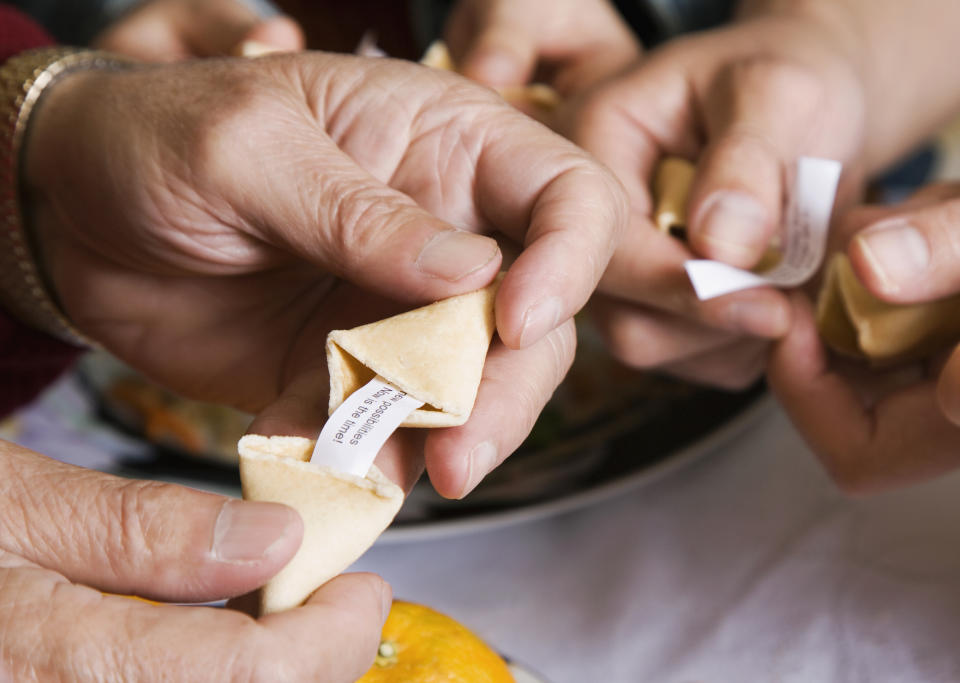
(19, 33)
(29, 360)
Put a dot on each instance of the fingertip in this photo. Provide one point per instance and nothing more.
(362, 593)
(762, 313)
(448, 468)
(280, 33)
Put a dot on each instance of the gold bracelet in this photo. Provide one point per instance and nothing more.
(23, 79)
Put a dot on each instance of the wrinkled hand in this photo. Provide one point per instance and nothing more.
(879, 429)
(215, 238)
(62, 526)
(570, 44)
(171, 30)
(744, 101)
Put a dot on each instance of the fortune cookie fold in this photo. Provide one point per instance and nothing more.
(435, 353)
(342, 514)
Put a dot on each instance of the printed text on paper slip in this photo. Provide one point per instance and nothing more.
(806, 222)
(359, 427)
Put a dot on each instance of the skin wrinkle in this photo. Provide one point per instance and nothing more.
(453, 157)
(563, 344)
(355, 209)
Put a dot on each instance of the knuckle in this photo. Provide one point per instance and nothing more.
(355, 219)
(774, 105)
(774, 79)
(222, 124)
(131, 524)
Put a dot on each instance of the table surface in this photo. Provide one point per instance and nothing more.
(747, 565)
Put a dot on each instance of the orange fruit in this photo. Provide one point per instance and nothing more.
(420, 644)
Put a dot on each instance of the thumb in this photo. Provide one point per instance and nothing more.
(755, 116)
(503, 49)
(363, 231)
(151, 539)
(911, 257)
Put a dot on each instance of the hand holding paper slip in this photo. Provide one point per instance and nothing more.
(804, 239)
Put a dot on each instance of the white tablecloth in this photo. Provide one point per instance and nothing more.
(746, 566)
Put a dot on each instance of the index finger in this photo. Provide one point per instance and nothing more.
(567, 211)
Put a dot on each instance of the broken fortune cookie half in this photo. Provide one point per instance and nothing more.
(342, 514)
(436, 354)
(854, 322)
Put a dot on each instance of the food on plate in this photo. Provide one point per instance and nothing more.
(420, 644)
(342, 514)
(192, 427)
(853, 322)
(434, 353)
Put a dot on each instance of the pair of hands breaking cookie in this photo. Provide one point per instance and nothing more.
(215, 238)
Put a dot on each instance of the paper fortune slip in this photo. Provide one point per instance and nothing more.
(358, 428)
(807, 221)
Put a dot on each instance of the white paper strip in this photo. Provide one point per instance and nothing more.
(359, 427)
(804, 240)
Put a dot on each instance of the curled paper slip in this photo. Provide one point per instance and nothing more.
(804, 240)
(358, 428)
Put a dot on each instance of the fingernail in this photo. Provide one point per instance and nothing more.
(454, 254)
(386, 598)
(734, 224)
(896, 252)
(481, 459)
(246, 531)
(540, 319)
(761, 319)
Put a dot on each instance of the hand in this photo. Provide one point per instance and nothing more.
(880, 429)
(171, 30)
(61, 526)
(214, 239)
(744, 101)
(571, 43)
